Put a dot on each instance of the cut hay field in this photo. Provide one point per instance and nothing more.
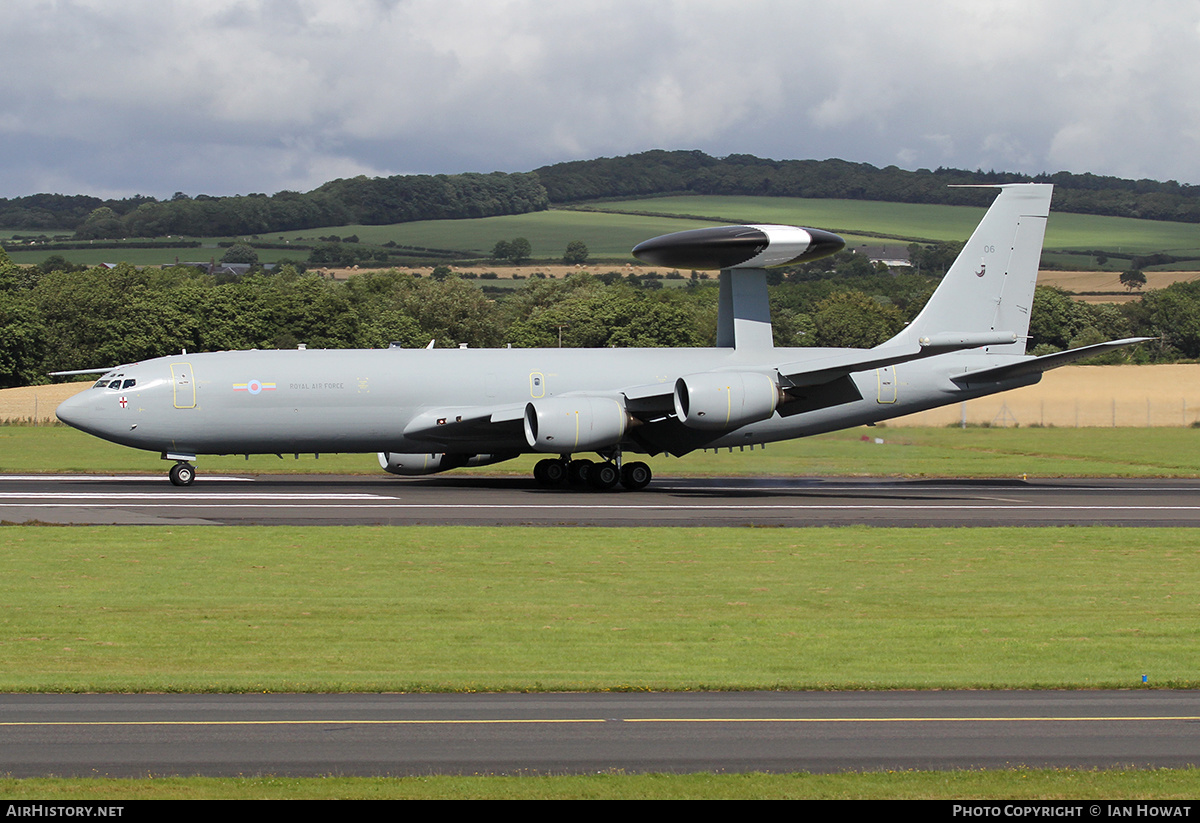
(1105, 286)
(36, 404)
(1081, 397)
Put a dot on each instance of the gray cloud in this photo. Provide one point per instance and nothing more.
(234, 96)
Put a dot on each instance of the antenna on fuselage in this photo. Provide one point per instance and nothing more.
(743, 310)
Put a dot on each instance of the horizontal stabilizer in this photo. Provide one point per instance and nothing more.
(826, 369)
(1036, 365)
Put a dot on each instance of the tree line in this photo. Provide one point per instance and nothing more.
(403, 198)
(694, 172)
(360, 200)
(96, 317)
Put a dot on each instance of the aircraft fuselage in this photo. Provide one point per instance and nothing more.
(324, 401)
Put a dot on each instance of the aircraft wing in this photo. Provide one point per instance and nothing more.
(498, 426)
(650, 402)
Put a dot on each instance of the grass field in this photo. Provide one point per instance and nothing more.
(606, 235)
(611, 235)
(235, 609)
(856, 220)
(1005, 784)
(139, 257)
(904, 452)
(859, 220)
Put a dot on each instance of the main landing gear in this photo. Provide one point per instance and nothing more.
(182, 474)
(580, 474)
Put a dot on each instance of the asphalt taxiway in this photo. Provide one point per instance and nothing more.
(340, 500)
(312, 735)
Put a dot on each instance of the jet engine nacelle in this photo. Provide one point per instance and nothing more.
(417, 464)
(563, 425)
(719, 401)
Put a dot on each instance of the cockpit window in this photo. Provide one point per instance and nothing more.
(115, 383)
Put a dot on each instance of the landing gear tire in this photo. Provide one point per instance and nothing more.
(603, 476)
(550, 472)
(182, 474)
(636, 476)
(578, 472)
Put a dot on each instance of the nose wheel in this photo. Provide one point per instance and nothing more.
(182, 474)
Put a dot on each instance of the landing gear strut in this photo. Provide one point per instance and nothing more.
(182, 474)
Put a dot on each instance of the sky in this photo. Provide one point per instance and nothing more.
(225, 97)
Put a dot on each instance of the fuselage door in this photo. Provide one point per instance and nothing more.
(887, 384)
(537, 385)
(183, 385)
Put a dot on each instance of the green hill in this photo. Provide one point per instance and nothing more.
(611, 228)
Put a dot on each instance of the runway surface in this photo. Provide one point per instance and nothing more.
(335, 500)
(310, 735)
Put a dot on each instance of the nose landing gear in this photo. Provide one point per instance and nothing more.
(182, 474)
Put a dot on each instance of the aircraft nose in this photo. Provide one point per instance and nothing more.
(85, 411)
(72, 411)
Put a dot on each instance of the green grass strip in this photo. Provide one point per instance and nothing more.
(335, 609)
(904, 452)
(1000, 784)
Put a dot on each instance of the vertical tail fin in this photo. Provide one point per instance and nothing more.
(990, 285)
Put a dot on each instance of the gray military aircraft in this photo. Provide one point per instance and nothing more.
(429, 410)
